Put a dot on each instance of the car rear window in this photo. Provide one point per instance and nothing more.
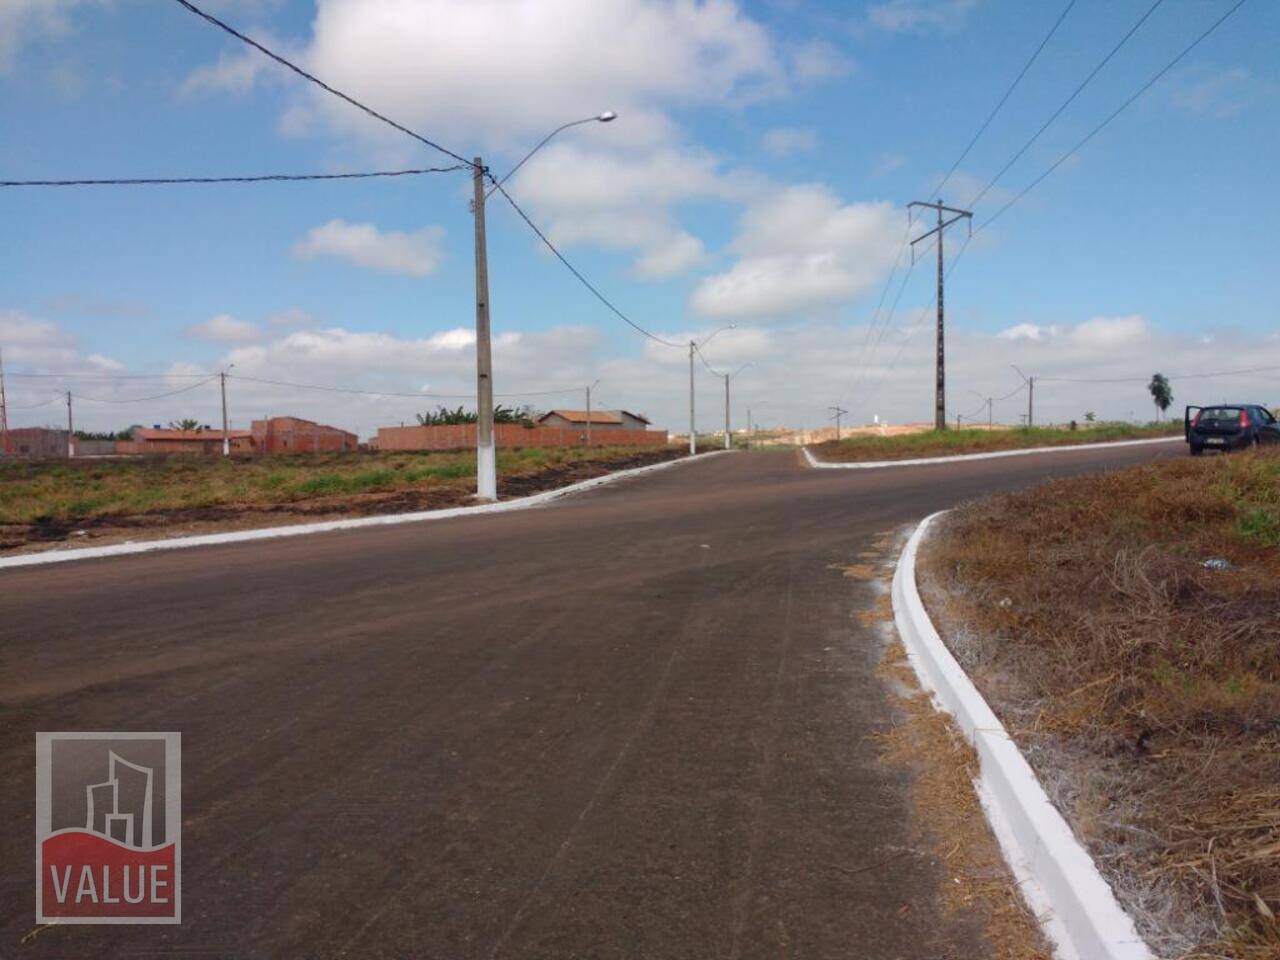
(1220, 414)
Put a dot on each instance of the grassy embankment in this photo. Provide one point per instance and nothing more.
(54, 496)
(1143, 685)
(953, 442)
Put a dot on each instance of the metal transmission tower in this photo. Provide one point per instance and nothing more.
(940, 395)
(836, 413)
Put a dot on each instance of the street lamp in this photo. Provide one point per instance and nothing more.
(693, 347)
(727, 378)
(486, 451)
(1031, 394)
(607, 116)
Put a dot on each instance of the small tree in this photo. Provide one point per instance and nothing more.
(1161, 393)
(186, 423)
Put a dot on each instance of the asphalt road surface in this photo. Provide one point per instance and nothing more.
(637, 723)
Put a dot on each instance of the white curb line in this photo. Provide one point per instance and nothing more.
(1056, 876)
(918, 461)
(355, 523)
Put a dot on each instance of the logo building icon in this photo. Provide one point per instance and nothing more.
(108, 817)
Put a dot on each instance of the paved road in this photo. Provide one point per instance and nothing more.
(638, 723)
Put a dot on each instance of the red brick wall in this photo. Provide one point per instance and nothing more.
(463, 436)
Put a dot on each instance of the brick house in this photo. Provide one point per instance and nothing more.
(600, 420)
(295, 435)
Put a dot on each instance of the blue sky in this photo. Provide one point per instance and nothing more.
(757, 174)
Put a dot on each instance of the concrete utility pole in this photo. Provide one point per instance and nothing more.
(226, 433)
(838, 412)
(71, 434)
(486, 454)
(1031, 395)
(693, 434)
(4, 412)
(940, 392)
(726, 412)
(589, 413)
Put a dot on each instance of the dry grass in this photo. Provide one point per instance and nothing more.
(33, 491)
(1144, 687)
(948, 812)
(981, 440)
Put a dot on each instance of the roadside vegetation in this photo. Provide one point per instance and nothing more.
(42, 500)
(1126, 627)
(952, 442)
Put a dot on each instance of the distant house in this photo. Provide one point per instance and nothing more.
(35, 442)
(270, 436)
(163, 440)
(600, 420)
(295, 435)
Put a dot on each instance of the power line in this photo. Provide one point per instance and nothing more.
(1066, 103)
(574, 270)
(158, 396)
(265, 178)
(1171, 376)
(317, 81)
(1119, 110)
(710, 368)
(1007, 94)
(384, 393)
(111, 376)
(33, 406)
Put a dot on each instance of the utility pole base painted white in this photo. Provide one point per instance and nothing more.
(487, 473)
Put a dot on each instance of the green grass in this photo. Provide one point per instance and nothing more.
(953, 442)
(34, 491)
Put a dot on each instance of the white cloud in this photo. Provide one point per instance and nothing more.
(1103, 333)
(898, 16)
(292, 317)
(24, 20)
(784, 141)
(1218, 93)
(235, 72)
(802, 249)
(626, 202)
(224, 328)
(677, 255)
(415, 254)
(490, 71)
(819, 60)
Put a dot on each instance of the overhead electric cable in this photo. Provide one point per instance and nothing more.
(386, 393)
(265, 178)
(158, 396)
(574, 270)
(1007, 94)
(1066, 103)
(1115, 113)
(317, 81)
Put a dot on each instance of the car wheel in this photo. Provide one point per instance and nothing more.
(1196, 450)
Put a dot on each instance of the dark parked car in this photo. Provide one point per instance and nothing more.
(1230, 426)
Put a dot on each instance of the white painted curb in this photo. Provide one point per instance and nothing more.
(1057, 877)
(960, 457)
(355, 523)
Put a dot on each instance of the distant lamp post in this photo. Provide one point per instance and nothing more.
(727, 377)
(693, 348)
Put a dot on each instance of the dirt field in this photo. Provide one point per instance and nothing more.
(1143, 684)
(44, 503)
(926, 442)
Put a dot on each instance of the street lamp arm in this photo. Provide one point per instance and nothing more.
(605, 117)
